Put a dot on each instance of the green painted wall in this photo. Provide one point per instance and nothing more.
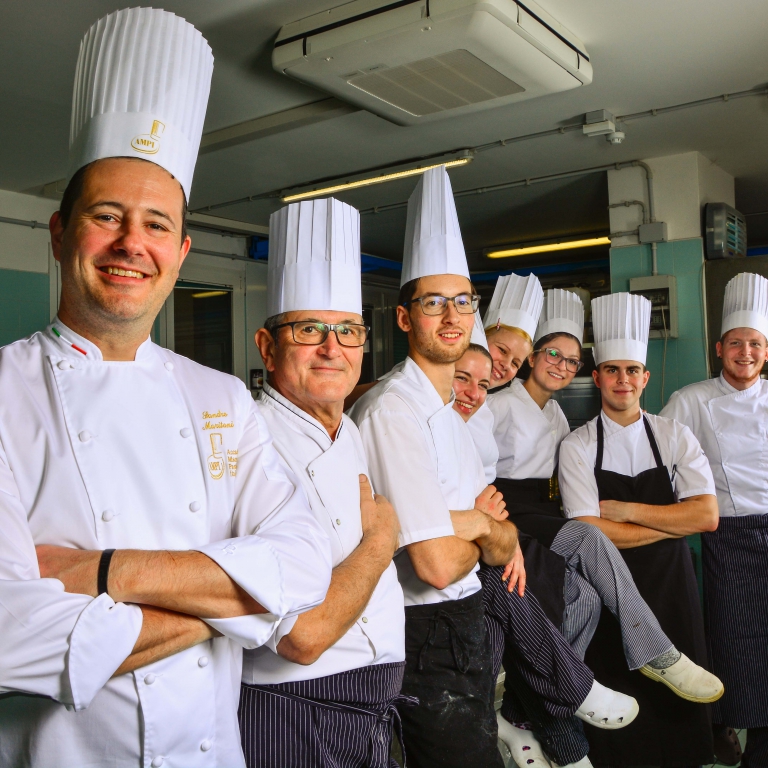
(686, 356)
(24, 304)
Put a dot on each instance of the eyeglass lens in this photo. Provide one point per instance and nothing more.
(554, 357)
(465, 303)
(317, 333)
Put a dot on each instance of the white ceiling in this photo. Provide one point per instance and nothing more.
(648, 54)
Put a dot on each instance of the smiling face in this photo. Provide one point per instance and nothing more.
(440, 339)
(508, 350)
(313, 377)
(744, 351)
(471, 382)
(549, 377)
(621, 383)
(121, 249)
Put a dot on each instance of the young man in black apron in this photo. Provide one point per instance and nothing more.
(729, 416)
(321, 693)
(645, 482)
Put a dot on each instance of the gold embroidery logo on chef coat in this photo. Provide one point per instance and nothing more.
(231, 462)
(216, 459)
(149, 143)
(210, 424)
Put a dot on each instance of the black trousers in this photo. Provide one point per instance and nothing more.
(449, 668)
(756, 753)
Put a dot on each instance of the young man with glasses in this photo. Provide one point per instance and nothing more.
(422, 457)
(321, 693)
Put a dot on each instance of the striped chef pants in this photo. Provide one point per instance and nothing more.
(339, 721)
(597, 575)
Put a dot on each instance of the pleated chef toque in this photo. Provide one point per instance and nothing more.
(478, 333)
(433, 244)
(562, 312)
(746, 303)
(516, 302)
(314, 258)
(620, 322)
(141, 90)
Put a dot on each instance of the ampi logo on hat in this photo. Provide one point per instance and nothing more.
(149, 143)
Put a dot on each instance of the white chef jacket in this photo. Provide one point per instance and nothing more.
(732, 427)
(480, 426)
(628, 452)
(528, 437)
(158, 453)
(422, 458)
(329, 473)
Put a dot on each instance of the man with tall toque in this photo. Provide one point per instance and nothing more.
(322, 693)
(145, 543)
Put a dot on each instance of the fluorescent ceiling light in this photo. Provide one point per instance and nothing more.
(549, 247)
(208, 294)
(366, 182)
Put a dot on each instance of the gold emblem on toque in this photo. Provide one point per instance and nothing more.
(149, 143)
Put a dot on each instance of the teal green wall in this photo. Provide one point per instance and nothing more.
(24, 304)
(686, 356)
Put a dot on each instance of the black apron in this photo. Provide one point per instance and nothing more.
(449, 668)
(735, 565)
(538, 518)
(669, 731)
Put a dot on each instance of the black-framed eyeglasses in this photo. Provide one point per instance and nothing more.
(312, 333)
(554, 357)
(465, 303)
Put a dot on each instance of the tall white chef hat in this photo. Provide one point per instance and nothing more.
(621, 322)
(478, 333)
(563, 312)
(433, 244)
(314, 258)
(141, 90)
(516, 302)
(746, 303)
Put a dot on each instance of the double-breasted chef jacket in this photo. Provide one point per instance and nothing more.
(157, 453)
(528, 437)
(480, 427)
(422, 458)
(628, 452)
(732, 426)
(329, 471)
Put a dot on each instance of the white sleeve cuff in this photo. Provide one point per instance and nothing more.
(425, 534)
(285, 627)
(102, 639)
(688, 492)
(570, 514)
(248, 631)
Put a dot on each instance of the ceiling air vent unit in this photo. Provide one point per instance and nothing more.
(414, 61)
(726, 232)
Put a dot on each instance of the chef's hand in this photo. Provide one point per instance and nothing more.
(378, 517)
(514, 572)
(618, 511)
(77, 569)
(492, 503)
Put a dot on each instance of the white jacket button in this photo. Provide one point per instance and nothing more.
(186, 432)
(338, 521)
(205, 745)
(64, 365)
(194, 506)
(148, 680)
(365, 619)
(84, 436)
(107, 515)
(169, 366)
(202, 661)
(158, 761)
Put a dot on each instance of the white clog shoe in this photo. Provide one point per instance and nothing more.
(688, 680)
(607, 709)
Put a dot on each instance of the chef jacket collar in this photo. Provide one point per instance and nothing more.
(424, 391)
(729, 389)
(301, 418)
(68, 338)
(612, 427)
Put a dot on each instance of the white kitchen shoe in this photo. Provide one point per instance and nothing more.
(583, 763)
(607, 709)
(688, 680)
(522, 745)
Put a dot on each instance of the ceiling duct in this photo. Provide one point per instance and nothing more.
(414, 61)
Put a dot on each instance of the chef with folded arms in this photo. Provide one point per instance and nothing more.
(150, 529)
(322, 692)
(645, 482)
(729, 415)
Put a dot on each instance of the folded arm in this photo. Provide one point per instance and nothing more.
(626, 535)
(695, 514)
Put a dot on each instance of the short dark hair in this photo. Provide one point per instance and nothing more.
(74, 192)
(608, 362)
(410, 289)
(550, 337)
(271, 323)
